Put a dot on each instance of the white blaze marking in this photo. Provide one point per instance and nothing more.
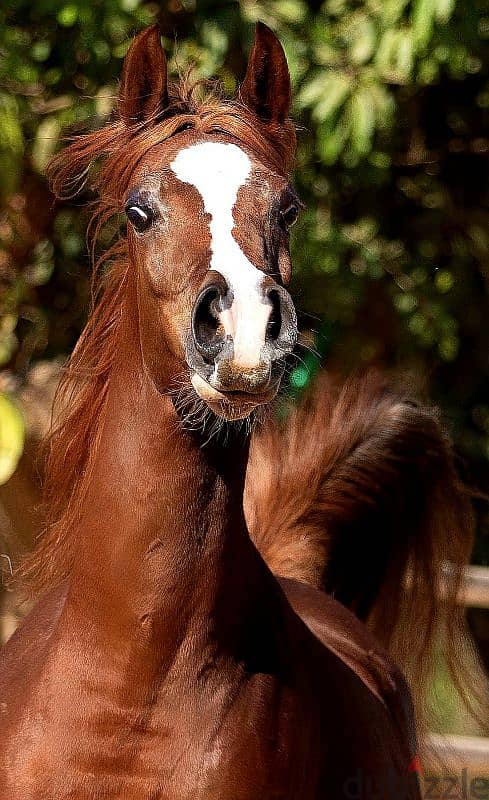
(218, 171)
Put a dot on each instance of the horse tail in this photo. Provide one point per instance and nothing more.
(356, 493)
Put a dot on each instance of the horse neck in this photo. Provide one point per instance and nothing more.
(164, 556)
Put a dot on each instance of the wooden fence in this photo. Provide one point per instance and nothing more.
(475, 589)
(456, 754)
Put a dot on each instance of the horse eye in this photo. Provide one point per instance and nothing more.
(140, 217)
(289, 216)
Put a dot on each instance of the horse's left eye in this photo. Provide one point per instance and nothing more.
(140, 217)
(289, 216)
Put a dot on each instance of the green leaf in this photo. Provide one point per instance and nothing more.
(337, 90)
(45, 142)
(386, 50)
(325, 94)
(444, 10)
(384, 104)
(428, 71)
(362, 121)
(312, 91)
(332, 140)
(444, 281)
(41, 50)
(11, 137)
(364, 44)
(448, 348)
(423, 17)
(395, 55)
(405, 54)
(290, 10)
(392, 11)
(215, 39)
(68, 15)
(405, 303)
(11, 437)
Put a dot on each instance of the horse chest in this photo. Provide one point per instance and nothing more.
(233, 751)
(243, 746)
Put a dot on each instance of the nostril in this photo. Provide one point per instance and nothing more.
(206, 320)
(275, 320)
(282, 324)
(206, 328)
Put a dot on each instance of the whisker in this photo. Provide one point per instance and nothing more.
(309, 349)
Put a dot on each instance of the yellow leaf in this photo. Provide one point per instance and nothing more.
(11, 437)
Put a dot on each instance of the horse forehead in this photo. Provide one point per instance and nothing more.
(216, 169)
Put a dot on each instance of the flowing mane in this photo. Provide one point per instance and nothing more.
(112, 153)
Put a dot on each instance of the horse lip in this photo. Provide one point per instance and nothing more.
(230, 397)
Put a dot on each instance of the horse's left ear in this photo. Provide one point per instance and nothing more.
(143, 89)
(266, 87)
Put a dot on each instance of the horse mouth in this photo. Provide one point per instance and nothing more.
(231, 405)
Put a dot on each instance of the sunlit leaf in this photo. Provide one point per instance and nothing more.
(384, 105)
(448, 348)
(67, 15)
(444, 280)
(364, 44)
(335, 94)
(290, 10)
(423, 17)
(45, 142)
(392, 11)
(11, 137)
(405, 55)
(362, 121)
(405, 303)
(41, 50)
(11, 437)
(444, 10)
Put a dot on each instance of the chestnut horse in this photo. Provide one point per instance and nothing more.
(165, 659)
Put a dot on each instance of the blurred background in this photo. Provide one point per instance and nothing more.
(391, 256)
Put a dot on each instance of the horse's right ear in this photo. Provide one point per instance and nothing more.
(143, 90)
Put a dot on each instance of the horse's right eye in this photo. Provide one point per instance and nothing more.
(140, 217)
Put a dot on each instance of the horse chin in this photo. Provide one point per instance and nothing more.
(230, 405)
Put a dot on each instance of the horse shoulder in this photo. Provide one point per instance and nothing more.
(348, 638)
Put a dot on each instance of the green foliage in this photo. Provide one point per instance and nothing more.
(392, 100)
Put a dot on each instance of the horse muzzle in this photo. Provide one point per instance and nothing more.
(239, 343)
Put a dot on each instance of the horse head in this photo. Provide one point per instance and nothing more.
(209, 206)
